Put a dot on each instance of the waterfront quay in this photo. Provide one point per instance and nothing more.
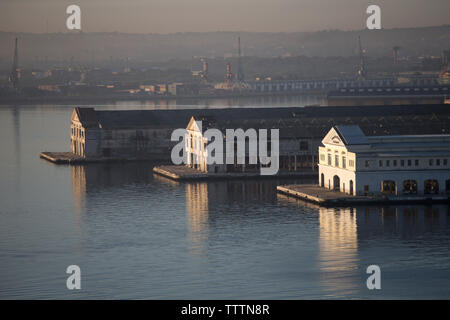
(331, 198)
(72, 158)
(185, 173)
(62, 157)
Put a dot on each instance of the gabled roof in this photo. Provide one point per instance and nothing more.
(207, 122)
(87, 116)
(351, 134)
(345, 135)
(296, 121)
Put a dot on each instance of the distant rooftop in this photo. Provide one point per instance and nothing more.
(311, 121)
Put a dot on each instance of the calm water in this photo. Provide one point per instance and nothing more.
(136, 235)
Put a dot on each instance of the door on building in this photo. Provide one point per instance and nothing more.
(351, 187)
(431, 187)
(336, 183)
(410, 187)
(388, 187)
(322, 180)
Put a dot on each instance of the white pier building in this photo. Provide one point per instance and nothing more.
(356, 164)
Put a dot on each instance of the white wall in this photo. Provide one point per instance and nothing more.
(345, 177)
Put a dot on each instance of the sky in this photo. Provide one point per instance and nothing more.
(169, 16)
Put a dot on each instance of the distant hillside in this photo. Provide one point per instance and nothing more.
(140, 49)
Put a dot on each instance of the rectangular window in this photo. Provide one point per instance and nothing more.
(416, 162)
(329, 159)
(322, 157)
(388, 163)
(367, 163)
(380, 163)
(430, 162)
(445, 162)
(438, 162)
(402, 162)
(344, 162)
(336, 160)
(351, 163)
(409, 163)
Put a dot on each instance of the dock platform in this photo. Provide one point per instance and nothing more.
(62, 157)
(72, 158)
(330, 198)
(184, 173)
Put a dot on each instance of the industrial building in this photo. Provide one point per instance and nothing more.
(357, 164)
(145, 134)
(294, 149)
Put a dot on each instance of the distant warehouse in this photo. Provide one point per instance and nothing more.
(145, 134)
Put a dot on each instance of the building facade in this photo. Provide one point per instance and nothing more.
(294, 150)
(146, 134)
(119, 135)
(356, 164)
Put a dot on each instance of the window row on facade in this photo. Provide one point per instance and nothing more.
(77, 132)
(408, 162)
(339, 161)
(430, 186)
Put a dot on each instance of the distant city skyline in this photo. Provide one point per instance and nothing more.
(170, 16)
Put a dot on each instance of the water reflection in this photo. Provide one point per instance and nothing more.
(78, 192)
(197, 216)
(16, 124)
(290, 241)
(92, 179)
(347, 235)
(206, 200)
(338, 259)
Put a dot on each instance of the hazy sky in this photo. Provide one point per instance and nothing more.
(167, 16)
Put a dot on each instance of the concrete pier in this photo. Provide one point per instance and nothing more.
(72, 158)
(62, 157)
(184, 173)
(330, 198)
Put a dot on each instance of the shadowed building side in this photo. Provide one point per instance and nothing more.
(146, 134)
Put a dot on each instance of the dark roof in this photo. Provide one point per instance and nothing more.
(351, 134)
(302, 121)
(181, 117)
(87, 116)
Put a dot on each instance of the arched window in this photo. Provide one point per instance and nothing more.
(388, 187)
(410, 187)
(431, 187)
